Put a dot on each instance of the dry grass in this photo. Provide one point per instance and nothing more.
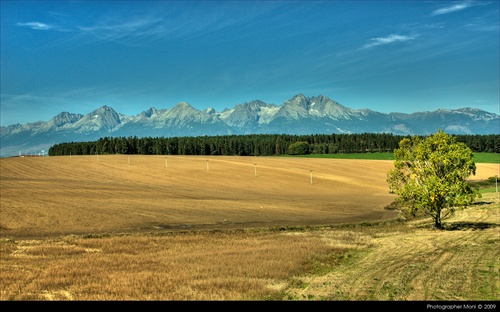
(412, 262)
(101, 229)
(212, 266)
(89, 194)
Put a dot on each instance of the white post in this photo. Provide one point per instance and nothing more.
(311, 176)
(166, 163)
(255, 166)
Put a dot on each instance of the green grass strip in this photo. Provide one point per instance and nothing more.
(491, 158)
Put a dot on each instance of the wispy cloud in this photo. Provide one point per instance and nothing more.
(36, 25)
(482, 27)
(453, 8)
(387, 40)
(135, 26)
(486, 23)
(45, 104)
(131, 32)
(143, 30)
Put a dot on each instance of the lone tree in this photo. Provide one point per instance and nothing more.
(430, 175)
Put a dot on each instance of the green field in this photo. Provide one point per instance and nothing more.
(369, 156)
(490, 158)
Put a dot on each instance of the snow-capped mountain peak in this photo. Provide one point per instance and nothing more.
(298, 115)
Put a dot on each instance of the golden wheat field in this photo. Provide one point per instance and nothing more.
(194, 228)
(51, 196)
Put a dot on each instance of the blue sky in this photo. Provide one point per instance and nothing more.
(388, 56)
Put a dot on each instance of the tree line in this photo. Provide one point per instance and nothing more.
(256, 144)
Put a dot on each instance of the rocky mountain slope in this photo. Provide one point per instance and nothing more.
(298, 115)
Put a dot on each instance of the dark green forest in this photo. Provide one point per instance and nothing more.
(256, 144)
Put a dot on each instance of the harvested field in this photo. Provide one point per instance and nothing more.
(51, 196)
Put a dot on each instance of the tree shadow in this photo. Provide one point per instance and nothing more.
(458, 226)
(482, 203)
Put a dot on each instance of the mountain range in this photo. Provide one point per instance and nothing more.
(298, 115)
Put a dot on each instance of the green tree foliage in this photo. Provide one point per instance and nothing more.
(430, 175)
(298, 148)
(256, 144)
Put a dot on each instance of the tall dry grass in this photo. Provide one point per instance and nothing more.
(192, 266)
(386, 261)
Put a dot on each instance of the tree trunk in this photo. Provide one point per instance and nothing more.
(437, 219)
